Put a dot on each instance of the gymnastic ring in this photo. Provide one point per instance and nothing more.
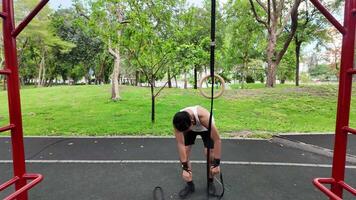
(221, 92)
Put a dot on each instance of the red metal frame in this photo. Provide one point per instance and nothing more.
(343, 110)
(11, 71)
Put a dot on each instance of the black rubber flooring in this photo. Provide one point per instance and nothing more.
(111, 180)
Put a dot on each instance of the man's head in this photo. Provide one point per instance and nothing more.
(182, 121)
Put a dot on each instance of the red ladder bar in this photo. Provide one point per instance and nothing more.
(349, 130)
(11, 70)
(344, 100)
(351, 71)
(5, 71)
(36, 178)
(7, 128)
(2, 14)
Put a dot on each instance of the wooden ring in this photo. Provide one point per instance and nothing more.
(221, 92)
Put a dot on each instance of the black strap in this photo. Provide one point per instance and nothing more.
(212, 68)
(220, 196)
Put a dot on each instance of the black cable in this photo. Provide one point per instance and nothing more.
(212, 72)
(46, 147)
(212, 67)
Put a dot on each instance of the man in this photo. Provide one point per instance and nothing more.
(188, 123)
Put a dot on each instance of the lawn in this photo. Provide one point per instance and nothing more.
(87, 110)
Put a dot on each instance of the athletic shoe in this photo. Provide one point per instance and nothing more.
(212, 189)
(186, 191)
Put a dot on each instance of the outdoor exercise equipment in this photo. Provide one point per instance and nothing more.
(204, 79)
(212, 74)
(10, 32)
(347, 70)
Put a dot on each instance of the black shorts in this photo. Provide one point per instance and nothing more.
(189, 138)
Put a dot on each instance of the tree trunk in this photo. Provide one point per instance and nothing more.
(271, 58)
(39, 82)
(153, 101)
(195, 77)
(297, 56)
(115, 78)
(137, 75)
(43, 73)
(271, 74)
(185, 80)
(243, 75)
(169, 78)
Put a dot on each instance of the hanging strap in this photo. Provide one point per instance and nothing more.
(212, 69)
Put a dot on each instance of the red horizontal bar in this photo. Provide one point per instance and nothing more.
(348, 129)
(318, 182)
(351, 71)
(347, 187)
(6, 128)
(5, 71)
(3, 15)
(9, 183)
(329, 16)
(28, 19)
(36, 179)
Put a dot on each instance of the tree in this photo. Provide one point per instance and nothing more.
(286, 67)
(192, 40)
(333, 50)
(244, 39)
(273, 17)
(311, 27)
(39, 39)
(89, 52)
(148, 39)
(107, 19)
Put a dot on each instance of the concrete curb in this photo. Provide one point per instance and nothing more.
(310, 148)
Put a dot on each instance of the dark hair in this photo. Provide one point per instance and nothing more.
(182, 121)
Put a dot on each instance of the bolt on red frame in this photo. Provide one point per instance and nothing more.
(344, 99)
(11, 71)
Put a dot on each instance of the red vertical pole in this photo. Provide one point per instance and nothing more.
(345, 89)
(11, 63)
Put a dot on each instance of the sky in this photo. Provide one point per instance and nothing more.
(67, 3)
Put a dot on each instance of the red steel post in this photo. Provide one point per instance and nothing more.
(18, 152)
(344, 99)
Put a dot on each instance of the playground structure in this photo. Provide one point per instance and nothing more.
(347, 70)
(10, 32)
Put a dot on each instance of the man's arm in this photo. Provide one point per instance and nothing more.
(180, 145)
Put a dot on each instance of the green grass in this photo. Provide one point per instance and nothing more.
(257, 86)
(87, 110)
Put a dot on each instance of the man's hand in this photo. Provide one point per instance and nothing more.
(215, 170)
(187, 176)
